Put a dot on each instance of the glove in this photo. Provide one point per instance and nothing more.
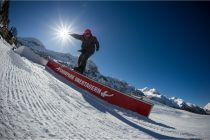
(70, 33)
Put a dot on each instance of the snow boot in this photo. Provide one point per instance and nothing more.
(78, 69)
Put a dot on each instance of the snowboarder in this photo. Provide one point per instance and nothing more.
(88, 47)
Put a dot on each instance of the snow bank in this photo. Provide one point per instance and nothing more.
(29, 54)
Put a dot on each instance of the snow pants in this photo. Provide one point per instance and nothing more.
(82, 61)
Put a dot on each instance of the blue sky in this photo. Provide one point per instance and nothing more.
(164, 45)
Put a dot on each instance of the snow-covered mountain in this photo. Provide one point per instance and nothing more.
(172, 102)
(207, 107)
(36, 105)
(93, 73)
(31, 43)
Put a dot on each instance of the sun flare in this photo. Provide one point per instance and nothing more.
(61, 33)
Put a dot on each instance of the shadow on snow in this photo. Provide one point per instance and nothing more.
(105, 107)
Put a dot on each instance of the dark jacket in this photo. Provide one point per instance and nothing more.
(88, 45)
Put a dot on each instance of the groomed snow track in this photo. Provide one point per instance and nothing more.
(36, 105)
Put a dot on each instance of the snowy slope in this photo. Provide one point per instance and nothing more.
(35, 105)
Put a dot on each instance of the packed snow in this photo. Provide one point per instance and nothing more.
(34, 104)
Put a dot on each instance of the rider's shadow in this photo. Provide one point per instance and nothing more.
(105, 107)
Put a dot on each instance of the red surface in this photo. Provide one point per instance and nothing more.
(110, 95)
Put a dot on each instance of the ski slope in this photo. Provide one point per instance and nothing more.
(36, 105)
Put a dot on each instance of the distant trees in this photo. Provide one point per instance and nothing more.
(14, 32)
(4, 13)
(9, 34)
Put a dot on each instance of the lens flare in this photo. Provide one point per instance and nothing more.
(61, 32)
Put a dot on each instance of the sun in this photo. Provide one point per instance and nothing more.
(61, 31)
(63, 34)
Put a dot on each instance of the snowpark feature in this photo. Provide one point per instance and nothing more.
(36, 105)
(105, 93)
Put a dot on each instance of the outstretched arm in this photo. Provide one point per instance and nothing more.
(77, 36)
